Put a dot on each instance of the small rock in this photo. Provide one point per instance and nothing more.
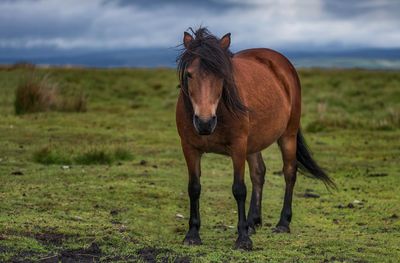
(231, 227)
(65, 167)
(143, 162)
(358, 202)
(179, 216)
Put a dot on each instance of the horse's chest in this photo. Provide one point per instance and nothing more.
(215, 143)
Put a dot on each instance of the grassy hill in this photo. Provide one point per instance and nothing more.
(109, 184)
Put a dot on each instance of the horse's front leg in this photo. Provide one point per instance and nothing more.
(192, 157)
(239, 191)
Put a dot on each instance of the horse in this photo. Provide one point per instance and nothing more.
(238, 105)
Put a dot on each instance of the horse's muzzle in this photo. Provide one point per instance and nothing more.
(204, 127)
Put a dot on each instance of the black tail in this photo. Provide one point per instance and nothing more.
(308, 165)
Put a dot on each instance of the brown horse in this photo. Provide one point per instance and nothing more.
(238, 105)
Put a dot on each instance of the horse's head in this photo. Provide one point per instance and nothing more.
(206, 70)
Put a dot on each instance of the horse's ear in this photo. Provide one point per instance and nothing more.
(225, 41)
(187, 39)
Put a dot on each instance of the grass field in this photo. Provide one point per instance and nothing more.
(110, 184)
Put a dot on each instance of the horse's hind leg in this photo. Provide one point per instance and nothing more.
(257, 175)
(288, 148)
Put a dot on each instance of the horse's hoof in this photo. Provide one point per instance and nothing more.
(281, 229)
(251, 230)
(244, 243)
(192, 241)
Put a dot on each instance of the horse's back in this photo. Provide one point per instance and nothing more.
(270, 87)
(277, 63)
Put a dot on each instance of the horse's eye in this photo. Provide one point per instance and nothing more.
(188, 75)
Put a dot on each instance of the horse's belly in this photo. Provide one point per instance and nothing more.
(266, 128)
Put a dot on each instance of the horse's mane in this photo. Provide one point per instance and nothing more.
(213, 60)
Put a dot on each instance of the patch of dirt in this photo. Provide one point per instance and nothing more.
(17, 173)
(310, 195)
(149, 254)
(184, 259)
(392, 217)
(377, 174)
(51, 238)
(90, 254)
(279, 173)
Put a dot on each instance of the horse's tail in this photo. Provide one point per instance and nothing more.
(308, 165)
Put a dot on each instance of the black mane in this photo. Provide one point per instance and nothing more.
(214, 60)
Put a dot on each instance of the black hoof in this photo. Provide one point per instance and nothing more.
(253, 226)
(281, 229)
(244, 243)
(192, 240)
(252, 230)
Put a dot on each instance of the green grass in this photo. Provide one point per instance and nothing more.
(115, 177)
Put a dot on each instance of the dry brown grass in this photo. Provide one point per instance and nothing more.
(35, 94)
(40, 94)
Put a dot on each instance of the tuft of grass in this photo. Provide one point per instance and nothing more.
(35, 94)
(94, 156)
(47, 155)
(122, 154)
(39, 94)
(74, 104)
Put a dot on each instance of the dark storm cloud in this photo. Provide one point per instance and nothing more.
(101, 24)
(220, 5)
(350, 9)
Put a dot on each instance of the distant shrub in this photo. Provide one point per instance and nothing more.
(38, 94)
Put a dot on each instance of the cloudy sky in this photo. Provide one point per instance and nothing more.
(118, 24)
